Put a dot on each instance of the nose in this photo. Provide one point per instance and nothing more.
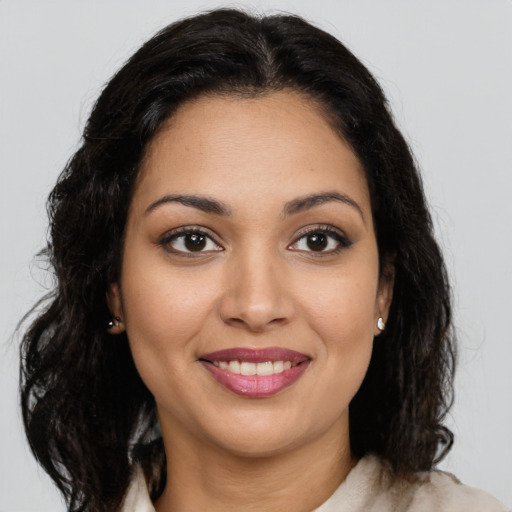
(256, 295)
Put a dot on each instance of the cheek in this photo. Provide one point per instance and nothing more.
(342, 304)
(164, 311)
(341, 310)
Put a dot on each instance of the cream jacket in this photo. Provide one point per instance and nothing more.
(370, 488)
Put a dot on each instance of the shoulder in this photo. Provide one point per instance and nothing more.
(442, 491)
(370, 486)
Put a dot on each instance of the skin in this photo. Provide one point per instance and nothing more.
(257, 283)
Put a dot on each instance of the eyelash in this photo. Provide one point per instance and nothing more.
(333, 233)
(340, 238)
(181, 233)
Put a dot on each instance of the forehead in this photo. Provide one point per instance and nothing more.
(239, 148)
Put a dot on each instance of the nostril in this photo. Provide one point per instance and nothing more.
(255, 324)
(278, 321)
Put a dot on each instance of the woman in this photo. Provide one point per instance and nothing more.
(251, 307)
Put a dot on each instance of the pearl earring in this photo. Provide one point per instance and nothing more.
(381, 325)
(113, 322)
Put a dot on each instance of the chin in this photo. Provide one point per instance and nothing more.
(264, 437)
(257, 445)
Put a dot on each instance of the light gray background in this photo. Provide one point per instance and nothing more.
(446, 67)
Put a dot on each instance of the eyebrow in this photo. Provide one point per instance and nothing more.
(305, 203)
(202, 203)
(209, 205)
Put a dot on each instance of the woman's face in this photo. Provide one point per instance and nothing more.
(250, 286)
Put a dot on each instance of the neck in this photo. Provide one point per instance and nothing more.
(204, 477)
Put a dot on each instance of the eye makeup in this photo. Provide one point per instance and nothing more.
(189, 241)
(321, 240)
(196, 241)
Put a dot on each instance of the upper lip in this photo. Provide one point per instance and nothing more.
(256, 355)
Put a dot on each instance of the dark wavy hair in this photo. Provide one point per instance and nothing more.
(88, 416)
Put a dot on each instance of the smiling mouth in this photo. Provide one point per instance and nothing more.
(256, 373)
(261, 369)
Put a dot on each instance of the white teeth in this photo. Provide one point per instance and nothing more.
(266, 368)
(234, 366)
(247, 368)
(278, 366)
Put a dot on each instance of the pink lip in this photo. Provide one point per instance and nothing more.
(256, 386)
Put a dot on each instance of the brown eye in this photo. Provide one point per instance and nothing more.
(187, 242)
(195, 242)
(322, 240)
(317, 241)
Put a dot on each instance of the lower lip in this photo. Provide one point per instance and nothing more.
(256, 386)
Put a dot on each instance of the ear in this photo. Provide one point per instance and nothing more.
(116, 325)
(384, 295)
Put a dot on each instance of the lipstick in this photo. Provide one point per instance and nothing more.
(255, 373)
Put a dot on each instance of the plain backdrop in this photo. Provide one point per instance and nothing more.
(446, 67)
